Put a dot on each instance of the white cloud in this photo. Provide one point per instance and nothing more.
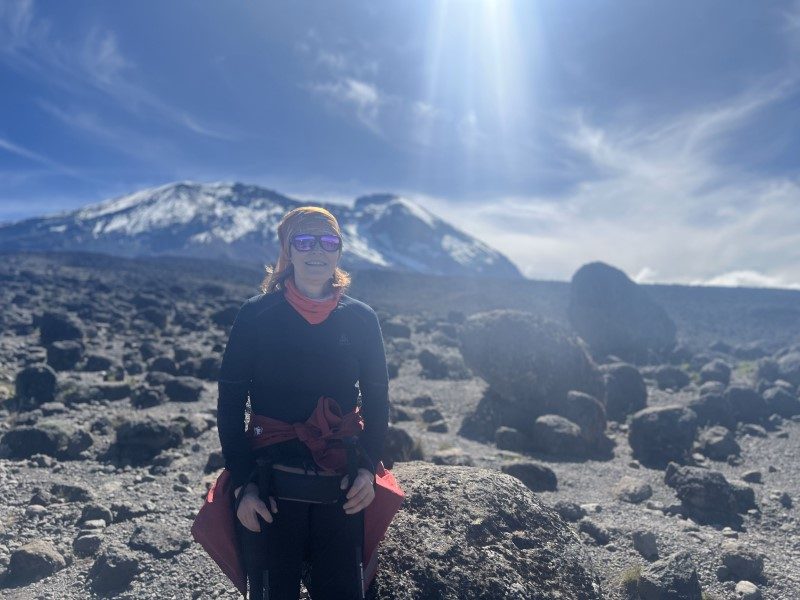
(362, 98)
(663, 209)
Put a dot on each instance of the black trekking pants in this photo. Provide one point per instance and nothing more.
(323, 536)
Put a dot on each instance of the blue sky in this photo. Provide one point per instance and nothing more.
(660, 137)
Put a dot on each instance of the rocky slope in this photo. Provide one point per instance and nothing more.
(94, 506)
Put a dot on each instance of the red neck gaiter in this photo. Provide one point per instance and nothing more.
(313, 311)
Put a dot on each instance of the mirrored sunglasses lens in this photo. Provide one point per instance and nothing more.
(330, 243)
(304, 243)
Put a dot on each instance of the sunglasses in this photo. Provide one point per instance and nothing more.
(306, 242)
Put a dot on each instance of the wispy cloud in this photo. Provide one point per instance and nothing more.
(29, 45)
(26, 153)
(663, 208)
(362, 98)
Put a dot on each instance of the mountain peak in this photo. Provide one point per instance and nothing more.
(239, 221)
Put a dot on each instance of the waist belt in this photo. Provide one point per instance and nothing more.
(319, 489)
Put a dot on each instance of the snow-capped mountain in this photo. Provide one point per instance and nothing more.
(239, 222)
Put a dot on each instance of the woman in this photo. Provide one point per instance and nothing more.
(298, 350)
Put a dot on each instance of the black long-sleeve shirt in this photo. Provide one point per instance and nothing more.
(285, 364)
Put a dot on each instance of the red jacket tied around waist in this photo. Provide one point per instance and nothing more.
(325, 424)
(215, 525)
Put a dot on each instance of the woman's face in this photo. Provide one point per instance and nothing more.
(314, 273)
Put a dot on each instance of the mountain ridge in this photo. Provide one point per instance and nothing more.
(238, 221)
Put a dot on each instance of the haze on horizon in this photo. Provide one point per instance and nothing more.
(662, 139)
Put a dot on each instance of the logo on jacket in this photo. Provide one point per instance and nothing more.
(344, 340)
(258, 430)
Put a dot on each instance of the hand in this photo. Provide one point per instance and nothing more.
(361, 494)
(251, 506)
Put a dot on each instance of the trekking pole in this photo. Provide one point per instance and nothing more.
(352, 472)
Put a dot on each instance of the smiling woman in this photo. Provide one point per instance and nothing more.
(312, 363)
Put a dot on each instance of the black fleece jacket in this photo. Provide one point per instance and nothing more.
(284, 363)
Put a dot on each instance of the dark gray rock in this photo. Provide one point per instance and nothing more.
(644, 542)
(454, 457)
(159, 539)
(594, 530)
(87, 544)
(555, 435)
(625, 390)
(717, 443)
(65, 354)
(162, 364)
(461, 515)
(35, 385)
(673, 577)
(616, 316)
(530, 364)
(589, 414)
(398, 446)
(55, 326)
(742, 561)
(781, 402)
(629, 489)
(183, 389)
(659, 434)
(140, 439)
(508, 438)
(669, 377)
(569, 511)
(716, 370)
(705, 494)
(113, 570)
(747, 405)
(712, 408)
(536, 476)
(97, 362)
(34, 561)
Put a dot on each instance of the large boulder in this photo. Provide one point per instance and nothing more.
(464, 532)
(717, 443)
(55, 326)
(52, 437)
(781, 402)
(747, 405)
(34, 561)
(530, 364)
(659, 434)
(625, 390)
(141, 439)
(35, 385)
(556, 435)
(618, 317)
(713, 408)
(705, 494)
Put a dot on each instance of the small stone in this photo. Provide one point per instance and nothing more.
(94, 524)
(729, 533)
(438, 427)
(87, 544)
(632, 490)
(746, 590)
(752, 476)
(644, 542)
(35, 511)
(597, 532)
(592, 507)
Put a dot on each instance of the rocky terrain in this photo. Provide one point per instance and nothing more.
(552, 443)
